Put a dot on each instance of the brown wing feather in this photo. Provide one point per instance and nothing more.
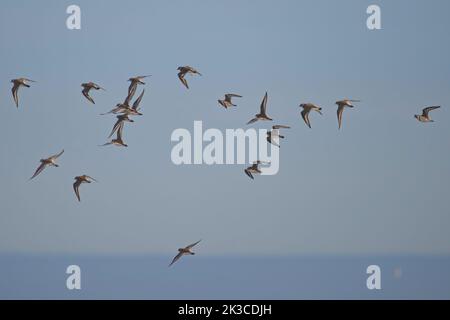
(183, 80)
(264, 104)
(76, 187)
(38, 170)
(305, 116)
(85, 93)
(14, 91)
(340, 111)
(138, 101)
(175, 259)
(428, 109)
(193, 245)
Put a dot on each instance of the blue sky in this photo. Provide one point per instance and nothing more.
(378, 186)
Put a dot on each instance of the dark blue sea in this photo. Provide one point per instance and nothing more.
(206, 277)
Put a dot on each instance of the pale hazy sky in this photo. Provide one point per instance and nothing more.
(380, 185)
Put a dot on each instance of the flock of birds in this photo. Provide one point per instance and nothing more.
(124, 111)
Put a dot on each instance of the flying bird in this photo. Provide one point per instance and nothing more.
(121, 119)
(425, 117)
(254, 169)
(17, 83)
(273, 136)
(226, 103)
(262, 113)
(341, 106)
(78, 181)
(134, 82)
(183, 71)
(307, 107)
(87, 87)
(51, 161)
(125, 108)
(184, 251)
(118, 141)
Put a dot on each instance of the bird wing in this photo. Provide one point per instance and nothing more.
(56, 156)
(97, 87)
(112, 111)
(14, 91)
(76, 187)
(275, 144)
(280, 126)
(178, 256)
(193, 71)
(86, 94)
(115, 110)
(138, 101)
(119, 132)
(182, 79)
(106, 144)
(131, 91)
(248, 173)
(340, 111)
(89, 177)
(264, 104)
(118, 126)
(193, 245)
(252, 121)
(305, 116)
(38, 170)
(428, 109)
(228, 96)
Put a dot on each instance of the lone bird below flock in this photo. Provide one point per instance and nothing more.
(78, 181)
(184, 251)
(307, 107)
(262, 115)
(17, 83)
(226, 103)
(118, 141)
(183, 71)
(273, 136)
(254, 169)
(341, 106)
(51, 161)
(87, 87)
(425, 117)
